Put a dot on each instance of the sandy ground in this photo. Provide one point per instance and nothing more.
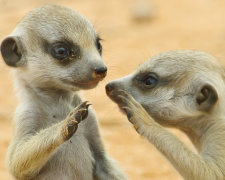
(179, 24)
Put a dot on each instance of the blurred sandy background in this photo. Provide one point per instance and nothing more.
(128, 41)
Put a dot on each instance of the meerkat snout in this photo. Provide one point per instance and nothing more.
(118, 84)
(109, 87)
(100, 72)
(110, 91)
(114, 88)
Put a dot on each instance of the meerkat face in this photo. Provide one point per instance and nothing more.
(172, 86)
(55, 46)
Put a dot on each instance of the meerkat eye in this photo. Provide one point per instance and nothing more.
(60, 51)
(98, 45)
(150, 81)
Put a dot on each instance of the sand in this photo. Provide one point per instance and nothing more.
(128, 41)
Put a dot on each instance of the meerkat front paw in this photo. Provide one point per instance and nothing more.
(73, 119)
(136, 114)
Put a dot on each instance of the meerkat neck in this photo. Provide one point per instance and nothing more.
(198, 134)
(195, 137)
(43, 94)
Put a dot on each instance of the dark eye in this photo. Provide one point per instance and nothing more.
(150, 81)
(60, 51)
(99, 46)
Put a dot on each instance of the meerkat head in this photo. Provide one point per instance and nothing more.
(55, 46)
(174, 86)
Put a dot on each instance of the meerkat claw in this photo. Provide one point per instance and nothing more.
(123, 99)
(128, 112)
(122, 92)
(83, 109)
(84, 104)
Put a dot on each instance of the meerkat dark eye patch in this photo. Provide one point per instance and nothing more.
(61, 51)
(150, 81)
(98, 45)
(64, 52)
(147, 80)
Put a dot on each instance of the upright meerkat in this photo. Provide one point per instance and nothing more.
(56, 52)
(182, 89)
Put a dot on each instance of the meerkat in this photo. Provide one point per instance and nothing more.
(55, 52)
(182, 89)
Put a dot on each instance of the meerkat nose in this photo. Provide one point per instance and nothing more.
(100, 73)
(109, 87)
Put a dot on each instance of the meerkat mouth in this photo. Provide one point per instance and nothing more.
(83, 85)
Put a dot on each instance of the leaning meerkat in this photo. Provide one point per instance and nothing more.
(55, 52)
(182, 89)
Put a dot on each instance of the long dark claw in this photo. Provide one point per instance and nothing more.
(84, 104)
(84, 109)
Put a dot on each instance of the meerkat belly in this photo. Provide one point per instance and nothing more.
(72, 160)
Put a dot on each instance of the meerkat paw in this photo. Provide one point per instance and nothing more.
(136, 114)
(77, 115)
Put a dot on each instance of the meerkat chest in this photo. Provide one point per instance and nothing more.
(74, 155)
(56, 112)
(59, 114)
(74, 158)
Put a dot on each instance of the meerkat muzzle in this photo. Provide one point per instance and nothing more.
(109, 88)
(113, 92)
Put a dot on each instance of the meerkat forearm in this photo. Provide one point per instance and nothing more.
(31, 154)
(190, 165)
(34, 151)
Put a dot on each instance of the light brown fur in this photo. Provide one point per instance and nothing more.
(182, 89)
(55, 52)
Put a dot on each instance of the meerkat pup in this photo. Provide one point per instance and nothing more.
(182, 89)
(55, 52)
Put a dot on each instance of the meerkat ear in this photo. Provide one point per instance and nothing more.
(206, 97)
(12, 51)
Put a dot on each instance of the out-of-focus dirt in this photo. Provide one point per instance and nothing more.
(192, 24)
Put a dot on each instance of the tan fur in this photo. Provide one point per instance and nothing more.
(189, 95)
(47, 142)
